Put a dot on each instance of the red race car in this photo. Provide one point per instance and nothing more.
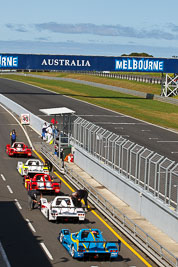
(18, 148)
(42, 182)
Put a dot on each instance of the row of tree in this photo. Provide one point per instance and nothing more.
(136, 55)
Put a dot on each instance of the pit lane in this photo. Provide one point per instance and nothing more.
(21, 243)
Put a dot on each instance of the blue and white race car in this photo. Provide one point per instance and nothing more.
(89, 244)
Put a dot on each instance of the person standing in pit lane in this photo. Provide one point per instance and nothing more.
(32, 199)
(13, 136)
(78, 196)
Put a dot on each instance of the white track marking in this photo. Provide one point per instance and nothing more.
(174, 152)
(9, 188)
(18, 204)
(3, 253)
(153, 138)
(167, 141)
(108, 116)
(125, 135)
(146, 130)
(118, 123)
(2, 176)
(30, 225)
(46, 251)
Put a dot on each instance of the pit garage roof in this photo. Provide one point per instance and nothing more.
(57, 111)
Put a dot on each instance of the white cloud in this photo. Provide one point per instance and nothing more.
(74, 48)
(108, 30)
(100, 30)
(17, 27)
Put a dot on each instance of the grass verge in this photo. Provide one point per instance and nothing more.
(132, 85)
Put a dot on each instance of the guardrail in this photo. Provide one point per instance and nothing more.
(136, 234)
(131, 77)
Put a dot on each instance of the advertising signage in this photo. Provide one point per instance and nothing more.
(143, 64)
(8, 61)
(87, 63)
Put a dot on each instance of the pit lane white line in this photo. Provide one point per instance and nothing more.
(3, 253)
(174, 152)
(46, 251)
(153, 138)
(145, 130)
(30, 225)
(9, 188)
(3, 178)
(18, 204)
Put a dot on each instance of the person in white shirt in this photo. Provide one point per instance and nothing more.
(49, 134)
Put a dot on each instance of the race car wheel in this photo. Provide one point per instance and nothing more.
(72, 251)
(61, 237)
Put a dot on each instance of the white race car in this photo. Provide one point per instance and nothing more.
(32, 166)
(62, 207)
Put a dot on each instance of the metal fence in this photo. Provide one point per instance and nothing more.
(152, 172)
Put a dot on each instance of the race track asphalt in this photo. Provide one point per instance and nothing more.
(159, 140)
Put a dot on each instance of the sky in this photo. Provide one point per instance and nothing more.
(89, 27)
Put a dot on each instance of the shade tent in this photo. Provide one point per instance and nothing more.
(63, 112)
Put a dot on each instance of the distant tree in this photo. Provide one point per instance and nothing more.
(134, 54)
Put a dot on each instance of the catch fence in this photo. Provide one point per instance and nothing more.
(152, 172)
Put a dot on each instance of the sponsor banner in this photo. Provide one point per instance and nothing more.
(87, 63)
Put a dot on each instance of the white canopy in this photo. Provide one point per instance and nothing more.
(57, 111)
